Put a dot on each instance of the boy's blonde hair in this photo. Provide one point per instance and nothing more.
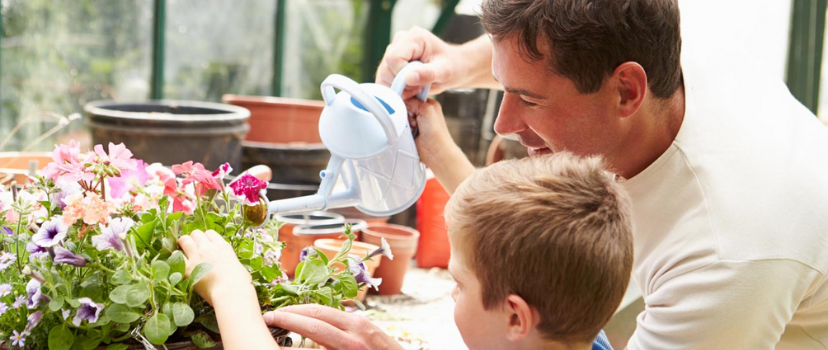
(554, 230)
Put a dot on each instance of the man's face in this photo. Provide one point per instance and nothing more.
(547, 113)
(481, 329)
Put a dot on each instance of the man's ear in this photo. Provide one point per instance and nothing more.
(631, 84)
(522, 318)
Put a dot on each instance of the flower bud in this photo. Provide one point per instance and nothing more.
(256, 214)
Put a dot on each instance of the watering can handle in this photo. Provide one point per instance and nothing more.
(371, 104)
(398, 85)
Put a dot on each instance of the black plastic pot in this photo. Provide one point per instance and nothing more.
(172, 132)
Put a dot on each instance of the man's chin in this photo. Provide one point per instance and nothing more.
(538, 151)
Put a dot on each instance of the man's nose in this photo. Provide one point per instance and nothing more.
(509, 120)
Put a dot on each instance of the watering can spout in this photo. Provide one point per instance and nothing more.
(298, 204)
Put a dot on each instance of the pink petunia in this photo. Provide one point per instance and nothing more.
(181, 200)
(248, 187)
(129, 180)
(119, 156)
(68, 164)
(195, 173)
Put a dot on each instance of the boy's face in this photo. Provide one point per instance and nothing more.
(480, 328)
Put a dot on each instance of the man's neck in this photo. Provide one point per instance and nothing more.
(654, 129)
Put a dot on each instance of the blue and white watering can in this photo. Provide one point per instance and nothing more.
(365, 127)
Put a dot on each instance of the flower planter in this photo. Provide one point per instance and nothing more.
(433, 247)
(292, 163)
(330, 247)
(172, 132)
(280, 120)
(403, 242)
(294, 244)
(15, 165)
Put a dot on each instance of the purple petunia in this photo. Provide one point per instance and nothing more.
(64, 256)
(33, 320)
(88, 311)
(384, 250)
(5, 289)
(248, 186)
(18, 339)
(34, 294)
(358, 269)
(6, 259)
(36, 251)
(51, 232)
(8, 231)
(112, 235)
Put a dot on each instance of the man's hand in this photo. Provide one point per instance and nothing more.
(227, 272)
(331, 328)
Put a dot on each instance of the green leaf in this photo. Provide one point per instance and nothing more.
(157, 328)
(246, 250)
(90, 343)
(118, 346)
(350, 288)
(121, 277)
(202, 340)
(271, 272)
(56, 303)
(199, 272)
(121, 314)
(321, 255)
(138, 295)
(72, 302)
(177, 262)
(119, 294)
(92, 291)
(168, 244)
(173, 217)
(209, 321)
(314, 272)
(160, 270)
(255, 264)
(61, 338)
(324, 295)
(359, 304)
(182, 314)
(122, 327)
(143, 235)
(175, 277)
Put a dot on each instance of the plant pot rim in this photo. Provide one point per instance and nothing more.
(334, 244)
(273, 100)
(298, 145)
(405, 232)
(231, 112)
(326, 229)
(296, 219)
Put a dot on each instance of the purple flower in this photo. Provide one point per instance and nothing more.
(3, 308)
(18, 339)
(271, 257)
(35, 251)
(112, 235)
(384, 250)
(51, 232)
(88, 311)
(19, 302)
(64, 256)
(65, 313)
(66, 189)
(248, 186)
(6, 259)
(5, 289)
(358, 269)
(8, 231)
(129, 180)
(33, 320)
(35, 296)
(303, 255)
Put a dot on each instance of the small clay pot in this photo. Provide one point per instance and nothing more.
(330, 247)
(293, 243)
(403, 242)
(336, 231)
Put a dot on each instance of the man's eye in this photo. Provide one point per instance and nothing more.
(527, 103)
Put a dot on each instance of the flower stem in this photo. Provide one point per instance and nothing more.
(17, 241)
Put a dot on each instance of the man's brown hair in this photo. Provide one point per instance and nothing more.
(588, 39)
(554, 230)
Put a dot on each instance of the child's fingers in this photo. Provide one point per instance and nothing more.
(214, 237)
(188, 246)
(320, 332)
(199, 238)
(329, 315)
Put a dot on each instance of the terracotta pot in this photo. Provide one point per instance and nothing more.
(433, 248)
(354, 213)
(332, 246)
(293, 243)
(280, 120)
(336, 231)
(403, 242)
(16, 165)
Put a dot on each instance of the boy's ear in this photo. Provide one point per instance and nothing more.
(631, 84)
(522, 318)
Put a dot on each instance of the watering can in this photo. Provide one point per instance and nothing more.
(365, 127)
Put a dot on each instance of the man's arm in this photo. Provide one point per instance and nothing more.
(724, 305)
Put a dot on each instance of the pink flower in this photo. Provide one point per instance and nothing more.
(67, 164)
(248, 186)
(91, 208)
(222, 171)
(181, 200)
(159, 173)
(119, 157)
(196, 173)
(129, 180)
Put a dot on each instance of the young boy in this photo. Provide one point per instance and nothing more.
(541, 253)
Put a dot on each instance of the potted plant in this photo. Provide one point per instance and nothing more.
(89, 256)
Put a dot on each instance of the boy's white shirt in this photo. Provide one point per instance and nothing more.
(731, 223)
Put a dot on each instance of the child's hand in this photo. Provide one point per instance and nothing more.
(228, 274)
(433, 134)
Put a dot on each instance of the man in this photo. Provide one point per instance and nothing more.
(726, 170)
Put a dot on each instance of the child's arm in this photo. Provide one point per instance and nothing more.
(437, 150)
(228, 288)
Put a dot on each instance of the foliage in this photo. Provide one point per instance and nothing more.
(89, 252)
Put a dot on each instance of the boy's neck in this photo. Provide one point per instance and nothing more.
(542, 344)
